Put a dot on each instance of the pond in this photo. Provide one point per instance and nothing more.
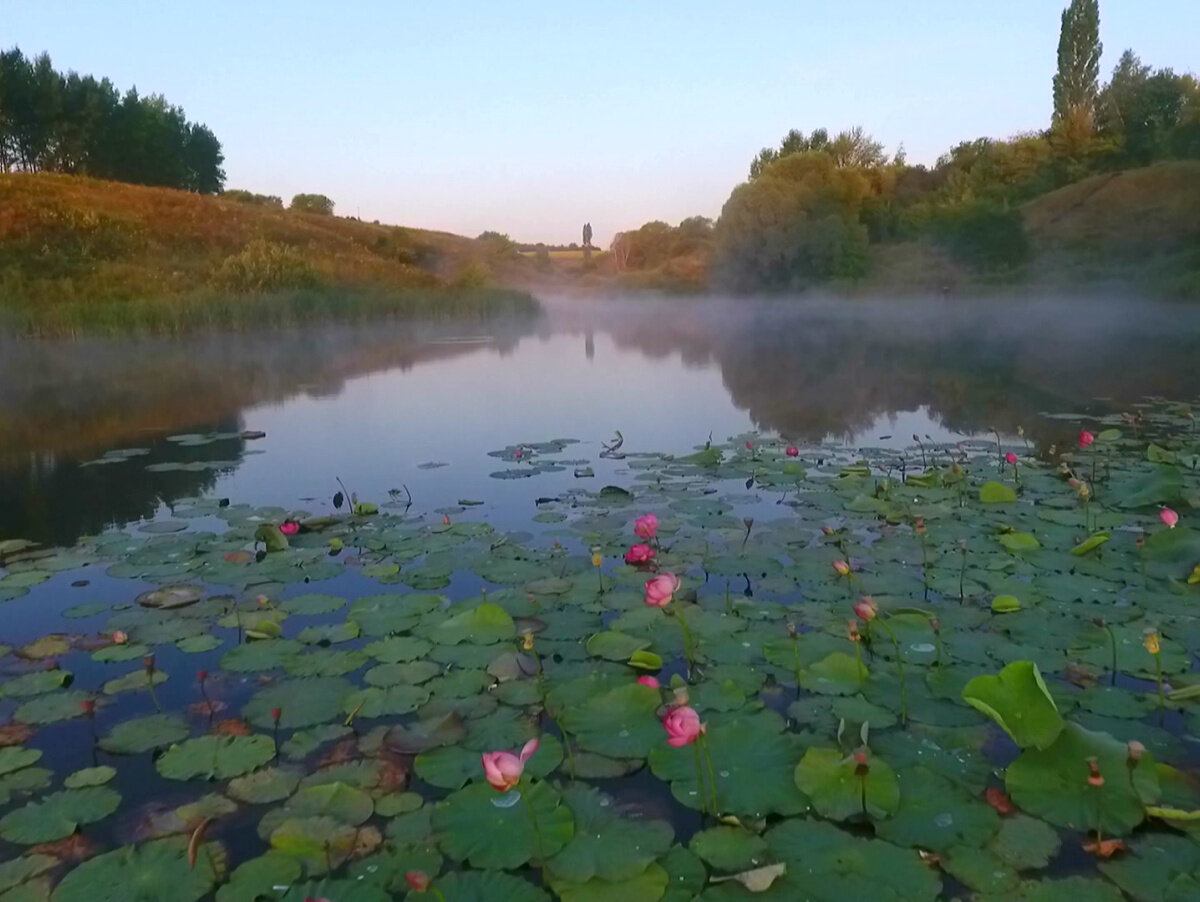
(268, 598)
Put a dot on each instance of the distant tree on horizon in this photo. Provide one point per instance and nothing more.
(1076, 80)
(50, 122)
(312, 203)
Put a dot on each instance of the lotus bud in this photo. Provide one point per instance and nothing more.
(935, 625)
(1150, 640)
(1095, 778)
(1136, 750)
(418, 881)
(865, 609)
(681, 696)
(148, 663)
(792, 632)
(861, 767)
(276, 713)
(919, 525)
(1168, 517)
(1011, 458)
(202, 675)
(597, 559)
(120, 637)
(829, 530)
(527, 640)
(842, 568)
(89, 707)
(852, 631)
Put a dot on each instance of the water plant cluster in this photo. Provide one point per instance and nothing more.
(758, 671)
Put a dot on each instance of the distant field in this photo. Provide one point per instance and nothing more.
(576, 254)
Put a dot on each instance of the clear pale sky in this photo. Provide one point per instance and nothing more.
(531, 118)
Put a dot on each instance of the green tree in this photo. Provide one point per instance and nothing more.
(312, 203)
(1079, 47)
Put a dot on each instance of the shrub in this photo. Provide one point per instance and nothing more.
(312, 203)
(982, 234)
(249, 197)
(266, 266)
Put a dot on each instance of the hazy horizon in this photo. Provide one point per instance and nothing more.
(532, 119)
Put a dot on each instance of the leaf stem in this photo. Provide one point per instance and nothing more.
(900, 671)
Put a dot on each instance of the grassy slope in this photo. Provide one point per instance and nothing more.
(1140, 227)
(81, 251)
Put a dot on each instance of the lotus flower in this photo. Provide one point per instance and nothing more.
(649, 681)
(1011, 458)
(418, 881)
(503, 769)
(792, 451)
(1085, 438)
(120, 637)
(639, 554)
(89, 706)
(660, 590)
(276, 713)
(866, 609)
(289, 527)
(1150, 640)
(842, 568)
(683, 726)
(1169, 517)
(646, 527)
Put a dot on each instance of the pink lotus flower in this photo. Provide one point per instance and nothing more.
(842, 568)
(646, 527)
(639, 554)
(120, 637)
(792, 451)
(749, 445)
(649, 681)
(418, 881)
(1169, 517)
(503, 769)
(660, 590)
(1010, 457)
(865, 609)
(289, 527)
(683, 726)
(1085, 438)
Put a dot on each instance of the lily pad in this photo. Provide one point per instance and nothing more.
(215, 757)
(58, 815)
(472, 828)
(1018, 700)
(155, 872)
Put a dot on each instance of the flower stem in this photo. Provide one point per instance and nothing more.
(1112, 644)
(437, 893)
(1162, 700)
(900, 671)
(712, 780)
(700, 779)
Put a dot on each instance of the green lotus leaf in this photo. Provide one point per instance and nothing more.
(257, 879)
(997, 493)
(935, 814)
(383, 615)
(143, 734)
(472, 828)
(1019, 542)
(52, 707)
(336, 800)
(1006, 604)
(313, 604)
(90, 776)
(615, 646)
(211, 806)
(20, 870)
(215, 757)
(398, 649)
(14, 758)
(35, 683)
(133, 681)
(196, 645)
(1052, 783)
(1162, 485)
(23, 782)
(1091, 543)
(730, 849)
(753, 761)
(271, 784)
(379, 702)
(155, 872)
(648, 886)
(484, 624)
(1018, 700)
(271, 537)
(57, 816)
(488, 886)
(840, 790)
(1024, 843)
(320, 843)
(835, 674)
(301, 703)
(606, 847)
(260, 655)
(1152, 866)
(618, 722)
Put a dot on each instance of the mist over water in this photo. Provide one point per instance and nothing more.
(370, 404)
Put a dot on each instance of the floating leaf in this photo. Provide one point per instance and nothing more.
(1018, 700)
(58, 815)
(215, 757)
(155, 872)
(997, 493)
(472, 828)
(841, 789)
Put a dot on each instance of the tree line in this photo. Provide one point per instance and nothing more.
(813, 206)
(71, 123)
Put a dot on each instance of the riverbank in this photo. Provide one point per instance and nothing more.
(81, 255)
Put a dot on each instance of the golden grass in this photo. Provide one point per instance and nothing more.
(78, 254)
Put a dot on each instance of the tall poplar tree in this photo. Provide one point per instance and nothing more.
(1075, 82)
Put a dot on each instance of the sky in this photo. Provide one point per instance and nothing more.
(531, 118)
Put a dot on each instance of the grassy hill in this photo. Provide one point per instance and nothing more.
(80, 254)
